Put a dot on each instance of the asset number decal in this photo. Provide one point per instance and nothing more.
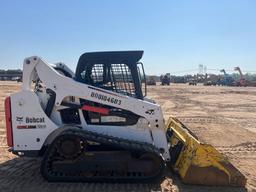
(106, 98)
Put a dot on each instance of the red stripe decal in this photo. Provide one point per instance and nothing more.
(95, 109)
(8, 116)
(26, 127)
(21, 126)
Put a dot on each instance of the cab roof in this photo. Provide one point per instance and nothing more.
(127, 57)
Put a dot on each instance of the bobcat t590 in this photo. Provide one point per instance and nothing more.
(97, 125)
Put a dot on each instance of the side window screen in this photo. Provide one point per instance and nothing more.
(93, 75)
(97, 73)
(122, 79)
(114, 77)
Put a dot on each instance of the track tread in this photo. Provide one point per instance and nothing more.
(128, 145)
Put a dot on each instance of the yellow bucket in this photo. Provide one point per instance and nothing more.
(198, 163)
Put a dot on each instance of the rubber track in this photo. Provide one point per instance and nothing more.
(129, 145)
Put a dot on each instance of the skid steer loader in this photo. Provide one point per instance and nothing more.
(97, 125)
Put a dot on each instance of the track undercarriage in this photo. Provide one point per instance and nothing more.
(95, 157)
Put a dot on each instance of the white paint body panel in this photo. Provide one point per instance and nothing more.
(26, 103)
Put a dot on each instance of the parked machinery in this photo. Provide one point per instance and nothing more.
(211, 80)
(241, 82)
(192, 80)
(165, 79)
(97, 125)
(151, 80)
(227, 80)
(178, 79)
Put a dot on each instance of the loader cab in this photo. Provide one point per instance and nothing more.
(118, 71)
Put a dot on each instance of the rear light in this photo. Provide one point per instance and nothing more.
(8, 120)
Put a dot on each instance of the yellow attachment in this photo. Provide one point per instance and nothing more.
(199, 163)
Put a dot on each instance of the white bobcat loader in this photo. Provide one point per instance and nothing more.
(97, 125)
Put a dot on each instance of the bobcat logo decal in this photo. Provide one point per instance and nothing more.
(19, 119)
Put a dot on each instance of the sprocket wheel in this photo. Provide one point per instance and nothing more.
(70, 146)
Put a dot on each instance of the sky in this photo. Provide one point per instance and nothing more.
(176, 36)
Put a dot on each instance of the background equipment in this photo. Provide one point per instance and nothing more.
(165, 79)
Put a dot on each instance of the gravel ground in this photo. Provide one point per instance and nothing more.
(221, 116)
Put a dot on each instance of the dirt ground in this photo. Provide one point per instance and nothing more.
(222, 116)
